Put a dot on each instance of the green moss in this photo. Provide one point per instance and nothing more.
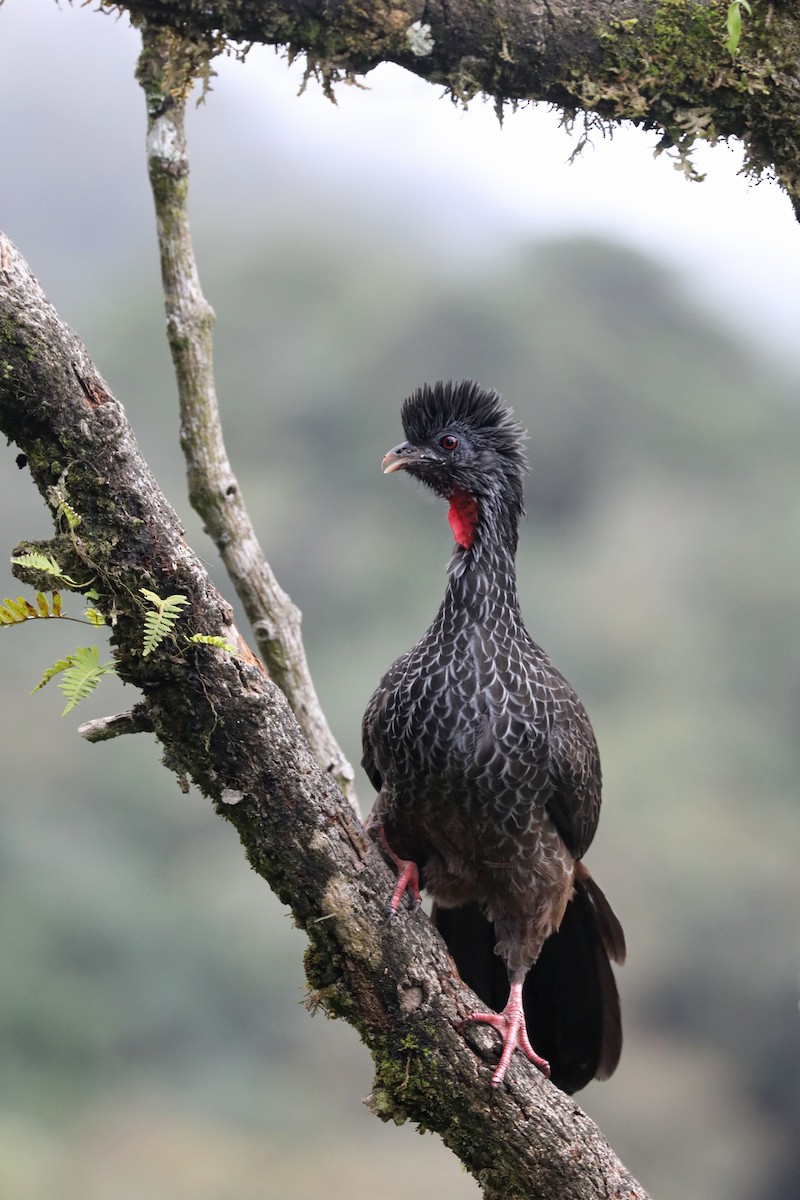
(677, 55)
(324, 991)
(672, 72)
(405, 1079)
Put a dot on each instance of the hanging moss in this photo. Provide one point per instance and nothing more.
(670, 71)
(662, 65)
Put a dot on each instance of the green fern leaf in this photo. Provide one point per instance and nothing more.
(734, 24)
(40, 562)
(45, 563)
(160, 622)
(20, 608)
(63, 664)
(94, 617)
(9, 616)
(73, 519)
(14, 612)
(206, 639)
(57, 495)
(83, 676)
(153, 597)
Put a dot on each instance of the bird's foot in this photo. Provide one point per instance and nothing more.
(407, 881)
(510, 1024)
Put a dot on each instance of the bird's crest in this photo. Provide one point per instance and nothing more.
(434, 407)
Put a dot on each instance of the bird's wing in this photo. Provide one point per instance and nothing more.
(368, 761)
(574, 802)
(561, 725)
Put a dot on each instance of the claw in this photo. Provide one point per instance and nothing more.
(510, 1024)
(407, 881)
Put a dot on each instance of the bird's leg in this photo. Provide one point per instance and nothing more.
(510, 1024)
(407, 879)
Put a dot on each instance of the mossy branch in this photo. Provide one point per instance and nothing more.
(223, 724)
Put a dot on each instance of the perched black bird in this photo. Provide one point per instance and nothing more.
(486, 766)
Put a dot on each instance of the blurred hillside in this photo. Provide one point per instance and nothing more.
(153, 1039)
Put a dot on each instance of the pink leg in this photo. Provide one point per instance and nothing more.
(510, 1024)
(407, 879)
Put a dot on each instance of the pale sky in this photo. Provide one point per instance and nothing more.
(738, 243)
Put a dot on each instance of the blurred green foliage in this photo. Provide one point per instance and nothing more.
(152, 1034)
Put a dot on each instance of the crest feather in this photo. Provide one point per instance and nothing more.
(434, 407)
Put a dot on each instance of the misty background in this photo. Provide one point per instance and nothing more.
(153, 1037)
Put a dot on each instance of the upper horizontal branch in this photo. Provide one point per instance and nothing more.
(659, 63)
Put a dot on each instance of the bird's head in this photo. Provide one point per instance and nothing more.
(463, 442)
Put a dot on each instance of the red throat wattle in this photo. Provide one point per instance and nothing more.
(463, 517)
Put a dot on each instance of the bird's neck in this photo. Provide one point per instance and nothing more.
(482, 570)
(464, 516)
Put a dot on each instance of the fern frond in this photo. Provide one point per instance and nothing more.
(20, 608)
(57, 495)
(160, 622)
(153, 597)
(82, 672)
(83, 675)
(11, 616)
(39, 562)
(734, 25)
(35, 561)
(16, 612)
(63, 664)
(94, 617)
(206, 639)
(73, 519)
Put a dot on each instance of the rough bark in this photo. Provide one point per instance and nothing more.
(661, 64)
(225, 725)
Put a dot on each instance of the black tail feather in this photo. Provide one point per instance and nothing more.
(570, 995)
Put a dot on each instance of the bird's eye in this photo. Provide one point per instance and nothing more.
(448, 442)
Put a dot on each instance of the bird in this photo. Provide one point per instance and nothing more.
(487, 768)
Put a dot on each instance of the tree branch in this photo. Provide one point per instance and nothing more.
(661, 64)
(228, 728)
(105, 729)
(168, 67)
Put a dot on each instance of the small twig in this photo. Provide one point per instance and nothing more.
(103, 729)
(168, 66)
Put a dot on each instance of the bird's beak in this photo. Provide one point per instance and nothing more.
(401, 456)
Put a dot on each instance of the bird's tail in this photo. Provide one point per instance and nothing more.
(570, 996)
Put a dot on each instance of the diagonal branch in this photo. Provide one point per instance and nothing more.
(168, 66)
(227, 727)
